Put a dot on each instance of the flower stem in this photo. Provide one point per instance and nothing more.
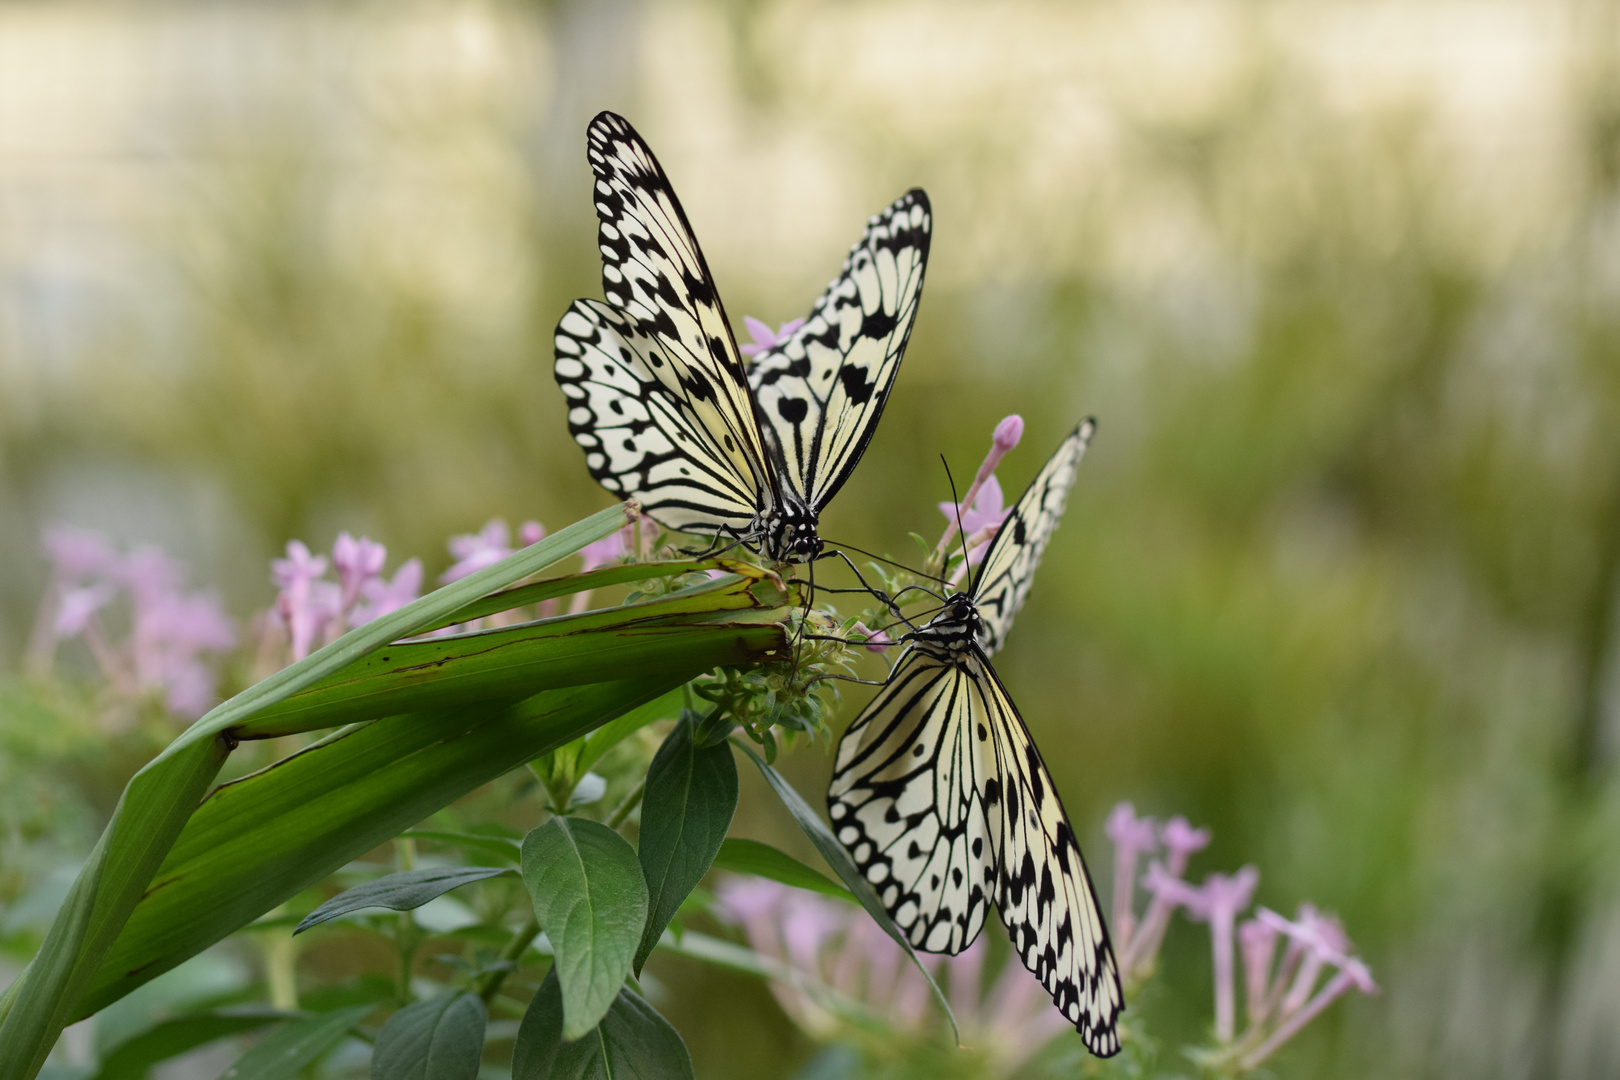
(627, 805)
(490, 982)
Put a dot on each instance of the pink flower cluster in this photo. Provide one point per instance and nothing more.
(983, 508)
(1282, 997)
(314, 610)
(834, 960)
(766, 338)
(169, 628)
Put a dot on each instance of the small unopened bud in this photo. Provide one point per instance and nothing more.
(1008, 432)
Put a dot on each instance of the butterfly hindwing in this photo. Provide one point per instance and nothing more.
(673, 341)
(1002, 580)
(906, 800)
(1044, 891)
(821, 390)
(638, 440)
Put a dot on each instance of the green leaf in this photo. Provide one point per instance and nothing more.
(403, 891)
(591, 900)
(134, 1057)
(631, 1043)
(690, 798)
(256, 843)
(441, 1038)
(837, 858)
(752, 857)
(162, 796)
(524, 595)
(282, 1054)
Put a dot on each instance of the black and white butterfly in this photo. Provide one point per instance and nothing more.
(943, 801)
(659, 397)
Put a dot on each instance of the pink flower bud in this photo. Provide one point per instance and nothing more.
(531, 532)
(1008, 432)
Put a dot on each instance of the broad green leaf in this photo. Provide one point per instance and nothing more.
(404, 891)
(524, 595)
(133, 1058)
(837, 858)
(282, 1054)
(159, 799)
(258, 842)
(441, 1038)
(513, 661)
(690, 797)
(591, 900)
(631, 1043)
(752, 857)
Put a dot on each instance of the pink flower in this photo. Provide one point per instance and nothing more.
(1133, 837)
(836, 952)
(531, 532)
(1181, 841)
(475, 551)
(1258, 941)
(302, 611)
(379, 596)
(766, 338)
(357, 562)
(875, 640)
(1218, 903)
(981, 529)
(77, 554)
(1315, 941)
(617, 545)
(78, 606)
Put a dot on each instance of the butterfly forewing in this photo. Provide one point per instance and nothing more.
(1043, 889)
(906, 800)
(1002, 580)
(654, 274)
(822, 390)
(639, 442)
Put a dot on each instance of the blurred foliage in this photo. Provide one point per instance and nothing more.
(1339, 281)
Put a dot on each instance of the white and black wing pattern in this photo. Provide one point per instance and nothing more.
(1003, 578)
(944, 803)
(639, 442)
(1044, 891)
(821, 391)
(659, 355)
(907, 802)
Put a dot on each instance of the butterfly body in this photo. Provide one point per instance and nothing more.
(659, 397)
(952, 635)
(944, 803)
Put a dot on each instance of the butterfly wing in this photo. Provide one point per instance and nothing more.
(1004, 577)
(1044, 892)
(638, 440)
(944, 803)
(822, 390)
(906, 800)
(661, 346)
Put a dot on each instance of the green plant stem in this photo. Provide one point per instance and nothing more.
(405, 935)
(489, 984)
(627, 805)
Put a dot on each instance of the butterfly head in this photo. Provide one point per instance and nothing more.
(789, 534)
(951, 632)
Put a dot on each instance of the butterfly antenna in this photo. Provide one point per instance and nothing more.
(879, 558)
(966, 566)
(888, 601)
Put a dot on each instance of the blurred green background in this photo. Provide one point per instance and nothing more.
(1340, 280)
